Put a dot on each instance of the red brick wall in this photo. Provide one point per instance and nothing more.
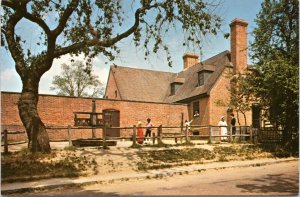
(203, 118)
(238, 44)
(58, 111)
(219, 99)
(204, 111)
(111, 88)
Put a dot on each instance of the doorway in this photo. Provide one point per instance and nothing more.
(113, 117)
(256, 116)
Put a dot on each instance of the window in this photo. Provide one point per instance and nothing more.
(175, 87)
(200, 78)
(196, 108)
(116, 93)
(203, 75)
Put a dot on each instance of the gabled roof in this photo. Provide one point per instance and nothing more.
(140, 84)
(190, 88)
(155, 86)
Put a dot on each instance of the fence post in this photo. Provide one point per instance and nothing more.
(69, 135)
(210, 128)
(5, 142)
(159, 131)
(134, 136)
(242, 134)
(153, 138)
(104, 136)
(251, 135)
(230, 133)
(186, 135)
(181, 123)
(93, 118)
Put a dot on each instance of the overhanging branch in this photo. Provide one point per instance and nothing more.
(65, 16)
(108, 42)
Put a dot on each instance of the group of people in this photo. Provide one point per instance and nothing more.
(222, 123)
(140, 133)
(141, 138)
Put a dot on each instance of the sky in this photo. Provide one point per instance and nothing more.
(133, 57)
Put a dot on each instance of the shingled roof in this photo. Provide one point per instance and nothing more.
(155, 86)
(140, 84)
(190, 89)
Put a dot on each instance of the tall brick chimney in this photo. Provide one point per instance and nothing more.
(190, 59)
(238, 45)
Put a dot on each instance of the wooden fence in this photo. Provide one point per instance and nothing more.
(193, 132)
(270, 135)
(4, 138)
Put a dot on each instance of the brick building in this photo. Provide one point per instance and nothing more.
(203, 86)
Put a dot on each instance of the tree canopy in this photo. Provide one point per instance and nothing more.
(274, 80)
(75, 81)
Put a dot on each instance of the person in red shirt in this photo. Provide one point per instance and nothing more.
(140, 133)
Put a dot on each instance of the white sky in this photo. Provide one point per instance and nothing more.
(132, 57)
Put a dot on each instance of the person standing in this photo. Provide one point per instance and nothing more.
(222, 123)
(232, 123)
(149, 126)
(187, 125)
(140, 133)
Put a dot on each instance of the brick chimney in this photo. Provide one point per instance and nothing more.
(238, 45)
(190, 59)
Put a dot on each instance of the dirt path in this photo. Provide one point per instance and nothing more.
(275, 179)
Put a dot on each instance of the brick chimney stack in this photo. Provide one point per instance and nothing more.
(190, 59)
(238, 44)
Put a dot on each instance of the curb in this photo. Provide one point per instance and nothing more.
(141, 177)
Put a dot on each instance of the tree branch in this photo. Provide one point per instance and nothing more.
(93, 31)
(20, 6)
(13, 45)
(108, 42)
(10, 3)
(38, 21)
(64, 18)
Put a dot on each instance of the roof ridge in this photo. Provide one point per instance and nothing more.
(223, 52)
(133, 68)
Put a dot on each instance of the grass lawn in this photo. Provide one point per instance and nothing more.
(23, 165)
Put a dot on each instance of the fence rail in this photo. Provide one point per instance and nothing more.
(212, 132)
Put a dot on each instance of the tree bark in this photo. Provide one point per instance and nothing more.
(38, 140)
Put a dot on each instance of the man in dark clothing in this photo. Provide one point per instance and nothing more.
(149, 126)
(232, 122)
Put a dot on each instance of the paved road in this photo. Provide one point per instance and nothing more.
(275, 179)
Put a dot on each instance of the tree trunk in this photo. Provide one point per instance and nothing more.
(38, 140)
(245, 119)
(238, 118)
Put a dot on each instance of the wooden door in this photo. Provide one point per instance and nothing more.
(113, 117)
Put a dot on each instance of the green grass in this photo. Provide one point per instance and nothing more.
(167, 158)
(175, 155)
(24, 165)
(158, 159)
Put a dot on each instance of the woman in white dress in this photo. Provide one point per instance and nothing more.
(223, 123)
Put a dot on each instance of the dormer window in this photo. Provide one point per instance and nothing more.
(203, 75)
(174, 87)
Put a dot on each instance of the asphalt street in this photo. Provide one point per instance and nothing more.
(274, 179)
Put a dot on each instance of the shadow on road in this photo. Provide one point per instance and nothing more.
(275, 183)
